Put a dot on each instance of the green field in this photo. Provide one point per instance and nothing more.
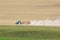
(29, 33)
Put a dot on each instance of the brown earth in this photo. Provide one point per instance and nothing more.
(12, 10)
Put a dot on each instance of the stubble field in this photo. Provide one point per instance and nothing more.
(12, 10)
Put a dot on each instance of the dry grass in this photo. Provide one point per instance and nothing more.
(12, 10)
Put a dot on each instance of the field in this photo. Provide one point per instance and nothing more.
(29, 33)
(12, 10)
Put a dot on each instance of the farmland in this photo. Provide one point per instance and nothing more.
(29, 33)
(12, 10)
